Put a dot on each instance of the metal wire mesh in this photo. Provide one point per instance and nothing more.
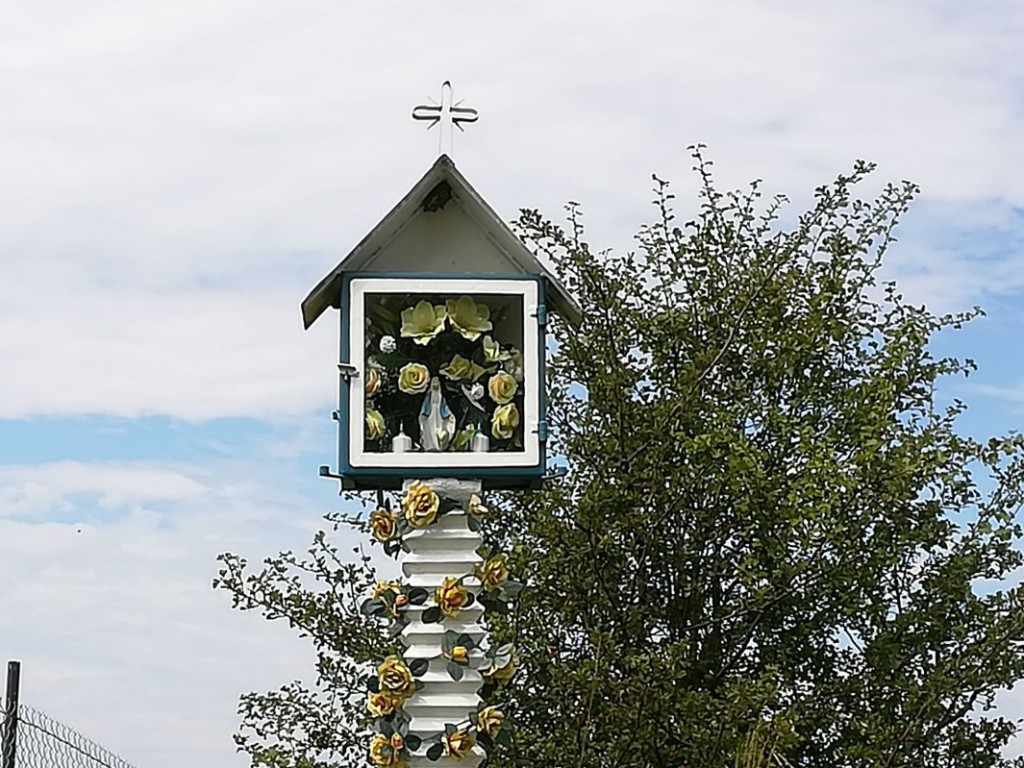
(43, 742)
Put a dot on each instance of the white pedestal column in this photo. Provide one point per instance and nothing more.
(446, 549)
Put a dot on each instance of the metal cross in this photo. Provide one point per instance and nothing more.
(446, 113)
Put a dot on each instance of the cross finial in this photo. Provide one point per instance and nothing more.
(448, 114)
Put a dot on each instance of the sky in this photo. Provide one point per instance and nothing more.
(175, 177)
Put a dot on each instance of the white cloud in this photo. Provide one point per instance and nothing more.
(42, 489)
(179, 177)
(114, 619)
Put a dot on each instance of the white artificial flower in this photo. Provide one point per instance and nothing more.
(474, 394)
(388, 345)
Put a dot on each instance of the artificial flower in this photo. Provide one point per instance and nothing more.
(395, 678)
(476, 506)
(380, 703)
(499, 675)
(504, 421)
(468, 318)
(375, 427)
(384, 524)
(474, 395)
(461, 369)
(423, 322)
(514, 365)
(490, 720)
(493, 573)
(458, 744)
(502, 387)
(464, 438)
(383, 754)
(373, 380)
(451, 597)
(382, 587)
(413, 379)
(492, 351)
(388, 344)
(420, 505)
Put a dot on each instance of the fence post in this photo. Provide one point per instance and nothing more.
(9, 732)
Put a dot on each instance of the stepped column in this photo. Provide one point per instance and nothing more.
(446, 549)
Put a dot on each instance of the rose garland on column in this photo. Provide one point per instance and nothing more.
(395, 681)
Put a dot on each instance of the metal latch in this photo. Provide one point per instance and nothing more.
(348, 371)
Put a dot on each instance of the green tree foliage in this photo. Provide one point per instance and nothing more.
(772, 546)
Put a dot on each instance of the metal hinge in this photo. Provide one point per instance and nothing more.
(542, 431)
(541, 313)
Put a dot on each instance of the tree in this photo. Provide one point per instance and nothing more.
(771, 546)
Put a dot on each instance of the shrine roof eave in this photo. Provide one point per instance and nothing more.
(327, 292)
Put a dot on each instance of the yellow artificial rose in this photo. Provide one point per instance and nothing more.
(372, 382)
(489, 721)
(413, 379)
(423, 322)
(374, 424)
(492, 351)
(469, 318)
(460, 653)
(502, 387)
(493, 573)
(499, 675)
(458, 745)
(461, 369)
(383, 754)
(384, 524)
(504, 421)
(382, 703)
(476, 506)
(450, 597)
(401, 600)
(382, 587)
(395, 678)
(397, 742)
(420, 505)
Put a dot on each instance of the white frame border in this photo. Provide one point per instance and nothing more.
(359, 458)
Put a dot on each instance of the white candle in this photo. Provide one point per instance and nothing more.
(401, 443)
(481, 444)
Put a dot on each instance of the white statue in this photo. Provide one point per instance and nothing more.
(437, 422)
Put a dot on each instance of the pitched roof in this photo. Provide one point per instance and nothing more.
(428, 194)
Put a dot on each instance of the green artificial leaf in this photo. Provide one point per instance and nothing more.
(435, 751)
(454, 670)
(431, 615)
(485, 741)
(449, 640)
(373, 607)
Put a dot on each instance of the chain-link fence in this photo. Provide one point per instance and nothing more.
(32, 739)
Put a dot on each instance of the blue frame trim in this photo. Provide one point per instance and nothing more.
(513, 476)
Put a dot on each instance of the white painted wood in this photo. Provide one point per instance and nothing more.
(530, 347)
(443, 550)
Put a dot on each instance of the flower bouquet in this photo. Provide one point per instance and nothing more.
(437, 379)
